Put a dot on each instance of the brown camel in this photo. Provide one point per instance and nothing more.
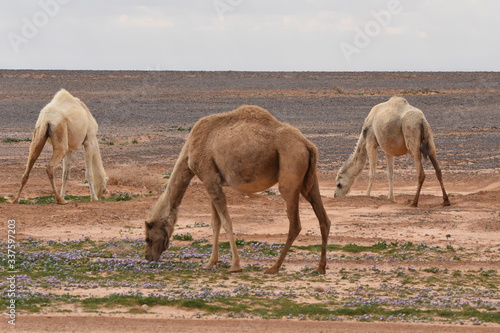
(249, 150)
(67, 124)
(398, 128)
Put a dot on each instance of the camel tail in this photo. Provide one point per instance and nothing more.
(310, 178)
(425, 140)
(40, 136)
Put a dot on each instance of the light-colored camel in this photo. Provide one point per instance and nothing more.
(398, 128)
(249, 150)
(67, 124)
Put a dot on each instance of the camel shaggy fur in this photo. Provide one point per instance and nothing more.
(249, 150)
(398, 128)
(67, 124)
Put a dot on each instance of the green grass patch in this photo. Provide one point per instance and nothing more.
(13, 140)
(352, 248)
(420, 91)
(183, 237)
(393, 293)
(179, 129)
(50, 199)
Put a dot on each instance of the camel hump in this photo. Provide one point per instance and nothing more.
(251, 112)
(398, 101)
(245, 114)
(63, 94)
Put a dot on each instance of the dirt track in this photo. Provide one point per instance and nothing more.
(154, 109)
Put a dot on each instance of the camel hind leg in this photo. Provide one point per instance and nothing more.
(420, 175)
(291, 178)
(216, 224)
(291, 196)
(314, 198)
(36, 147)
(220, 215)
(435, 164)
(59, 138)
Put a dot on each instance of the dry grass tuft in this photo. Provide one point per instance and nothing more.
(136, 175)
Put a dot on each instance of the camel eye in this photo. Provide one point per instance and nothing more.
(339, 186)
(148, 240)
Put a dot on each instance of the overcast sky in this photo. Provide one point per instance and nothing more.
(251, 35)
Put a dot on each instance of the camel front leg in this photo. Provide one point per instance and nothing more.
(65, 173)
(89, 172)
(390, 175)
(216, 224)
(372, 158)
(219, 203)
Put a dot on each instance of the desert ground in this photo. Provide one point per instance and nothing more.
(144, 118)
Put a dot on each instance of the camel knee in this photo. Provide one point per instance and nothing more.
(421, 177)
(50, 171)
(24, 179)
(297, 231)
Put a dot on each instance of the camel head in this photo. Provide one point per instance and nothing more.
(342, 184)
(100, 181)
(157, 239)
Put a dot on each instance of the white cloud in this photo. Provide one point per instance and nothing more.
(145, 21)
(422, 34)
(257, 34)
(347, 24)
(395, 30)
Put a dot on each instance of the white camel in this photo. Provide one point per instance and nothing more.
(67, 124)
(398, 128)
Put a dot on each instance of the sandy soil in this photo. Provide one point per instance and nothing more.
(152, 109)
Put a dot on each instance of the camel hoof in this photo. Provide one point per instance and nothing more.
(235, 270)
(321, 270)
(63, 202)
(15, 201)
(271, 270)
(446, 203)
(209, 267)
